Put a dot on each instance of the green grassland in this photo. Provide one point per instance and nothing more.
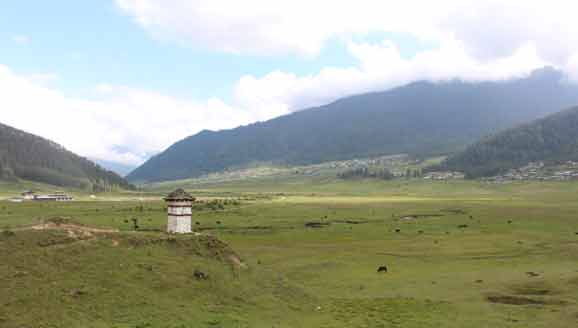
(250, 178)
(459, 254)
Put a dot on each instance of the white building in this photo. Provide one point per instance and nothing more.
(28, 195)
(179, 208)
(58, 196)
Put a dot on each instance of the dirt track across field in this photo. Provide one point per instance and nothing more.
(64, 226)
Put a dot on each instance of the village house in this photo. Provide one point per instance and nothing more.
(539, 171)
(444, 175)
(58, 196)
(28, 195)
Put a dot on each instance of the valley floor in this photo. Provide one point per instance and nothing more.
(458, 254)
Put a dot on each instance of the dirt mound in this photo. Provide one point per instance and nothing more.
(69, 232)
(69, 226)
(200, 245)
(316, 224)
(521, 300)
(534, 289)
(74, 231)
(65, 224)
(410, 217)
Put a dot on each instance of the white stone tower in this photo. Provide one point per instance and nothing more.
(179, 208)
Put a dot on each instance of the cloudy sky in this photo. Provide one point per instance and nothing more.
(119, 80)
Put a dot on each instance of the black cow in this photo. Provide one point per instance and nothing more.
(200, 275)
(382, 268)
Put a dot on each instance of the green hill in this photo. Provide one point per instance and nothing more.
(421, 118)
(551, 139)
(29, 157)
(82, 278)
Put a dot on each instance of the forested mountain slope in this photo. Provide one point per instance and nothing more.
(29, 157)
(421, 118)
(551, 139)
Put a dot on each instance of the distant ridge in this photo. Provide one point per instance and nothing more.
(118, 168)
(550, 139)
(30, 157)
(421, 118)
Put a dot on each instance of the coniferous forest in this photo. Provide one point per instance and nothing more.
(29, 157)
(553, 138)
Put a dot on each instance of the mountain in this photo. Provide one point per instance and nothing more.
(118, 168)
(550, 139)
(29, 157)
(421, 118)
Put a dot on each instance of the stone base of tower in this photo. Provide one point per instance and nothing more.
(179, 224)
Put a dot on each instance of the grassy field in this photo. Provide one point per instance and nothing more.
(459, 254)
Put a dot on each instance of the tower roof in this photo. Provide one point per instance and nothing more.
(179, 194)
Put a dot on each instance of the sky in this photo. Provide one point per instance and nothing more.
(121, 80)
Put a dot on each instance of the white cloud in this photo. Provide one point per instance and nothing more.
(43, 77)
(381, 67)
(491, 39)
(126, 125)
(488, 29)
(478, 40)
(272, 27)
(21, 39)
(122, 125)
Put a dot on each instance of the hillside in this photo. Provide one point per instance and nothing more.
(83, 277)
(29, 157)
(421, 118)
(551, 139)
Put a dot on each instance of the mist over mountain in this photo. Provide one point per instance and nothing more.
(421, 118)
(550, 139)
(30, 157)
(118, 168)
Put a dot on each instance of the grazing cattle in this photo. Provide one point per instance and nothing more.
(509, 221)
(463, 226)
(8, 233)
(76, 293)
(200, 275)
(382, 268)
(397, 230)
(532, 274)
(420, 231)
(218, 222)
(135, 223)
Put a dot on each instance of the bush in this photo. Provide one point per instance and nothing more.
(8, 233)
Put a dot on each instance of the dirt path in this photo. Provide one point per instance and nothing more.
(64, 226)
